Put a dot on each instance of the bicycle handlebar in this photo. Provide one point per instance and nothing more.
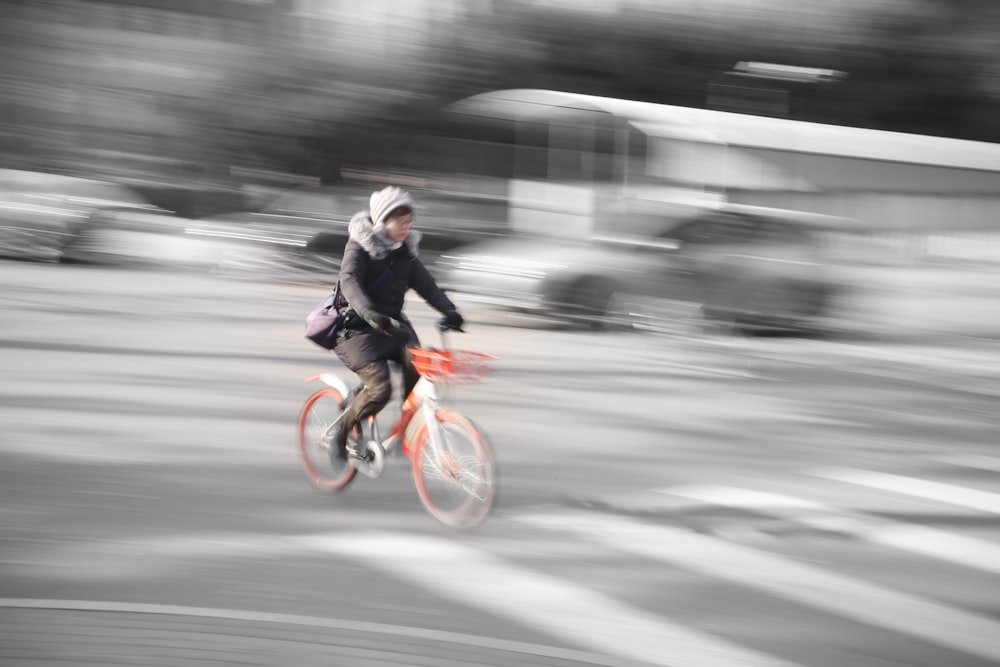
(443, 328)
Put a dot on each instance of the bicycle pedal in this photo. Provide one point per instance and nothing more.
(366, 456)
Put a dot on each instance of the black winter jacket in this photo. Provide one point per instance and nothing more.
(375, 277)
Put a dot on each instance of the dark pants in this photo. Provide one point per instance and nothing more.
(377, 390)
(368, 355)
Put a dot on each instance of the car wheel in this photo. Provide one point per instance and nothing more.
(780, 307)
(597, 304)
(73, 251)
(585, 303)
(719, 321)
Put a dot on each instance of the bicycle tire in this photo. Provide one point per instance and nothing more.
(329, 474)
(469, 477)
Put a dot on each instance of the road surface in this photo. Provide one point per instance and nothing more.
(663, 501)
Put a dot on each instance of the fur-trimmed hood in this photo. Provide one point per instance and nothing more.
(362, 229)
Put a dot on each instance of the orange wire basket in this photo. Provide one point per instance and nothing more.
(451, 366)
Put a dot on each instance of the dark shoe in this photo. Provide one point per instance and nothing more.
(349, 447)
(340, 446)
(357, 450)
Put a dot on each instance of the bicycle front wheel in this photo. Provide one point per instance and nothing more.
(455, 476)
(323, 465)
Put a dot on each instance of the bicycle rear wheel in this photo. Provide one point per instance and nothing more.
(318, 442)
(455, 478)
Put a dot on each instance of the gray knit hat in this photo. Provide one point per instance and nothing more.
(385, 201)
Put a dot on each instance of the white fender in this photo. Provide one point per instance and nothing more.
(331, 380)
(334, 381)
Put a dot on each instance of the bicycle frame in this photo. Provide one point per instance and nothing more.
(452, 465)
(423, 397)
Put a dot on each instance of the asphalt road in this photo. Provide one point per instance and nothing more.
(663, 500)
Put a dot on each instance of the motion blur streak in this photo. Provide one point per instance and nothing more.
(743, 251)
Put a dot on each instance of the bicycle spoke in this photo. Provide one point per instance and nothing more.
(318, 429)
(467, 473)
(454, 473)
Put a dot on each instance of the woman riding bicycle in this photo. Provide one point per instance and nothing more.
(381, 263)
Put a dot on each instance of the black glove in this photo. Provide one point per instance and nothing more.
(452, 320)
(382, 323)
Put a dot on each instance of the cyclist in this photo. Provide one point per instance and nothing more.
(381, 263)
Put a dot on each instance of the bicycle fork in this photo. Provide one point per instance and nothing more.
(429, 409)
(425, 392)
(443, 464)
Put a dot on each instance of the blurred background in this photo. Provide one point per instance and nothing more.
(738, 262)
(269, 122)
(191, 92)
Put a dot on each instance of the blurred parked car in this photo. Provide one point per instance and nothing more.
(41, 213)
(305, 230)
(298, 229)
(138, 237)
(751, 267)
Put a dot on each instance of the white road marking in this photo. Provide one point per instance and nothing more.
(137, 557)
(979, 461)
(575, 614)
(872, 604)
(938, 358)
(442, 636)
(952, 494)
(43, 434)
(964, 375)
(966, 551)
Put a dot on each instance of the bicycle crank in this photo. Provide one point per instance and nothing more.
(369, 459)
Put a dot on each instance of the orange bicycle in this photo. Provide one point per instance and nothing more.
(451, 460)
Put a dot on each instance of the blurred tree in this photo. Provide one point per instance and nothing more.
(300, 105)
(927, 67)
